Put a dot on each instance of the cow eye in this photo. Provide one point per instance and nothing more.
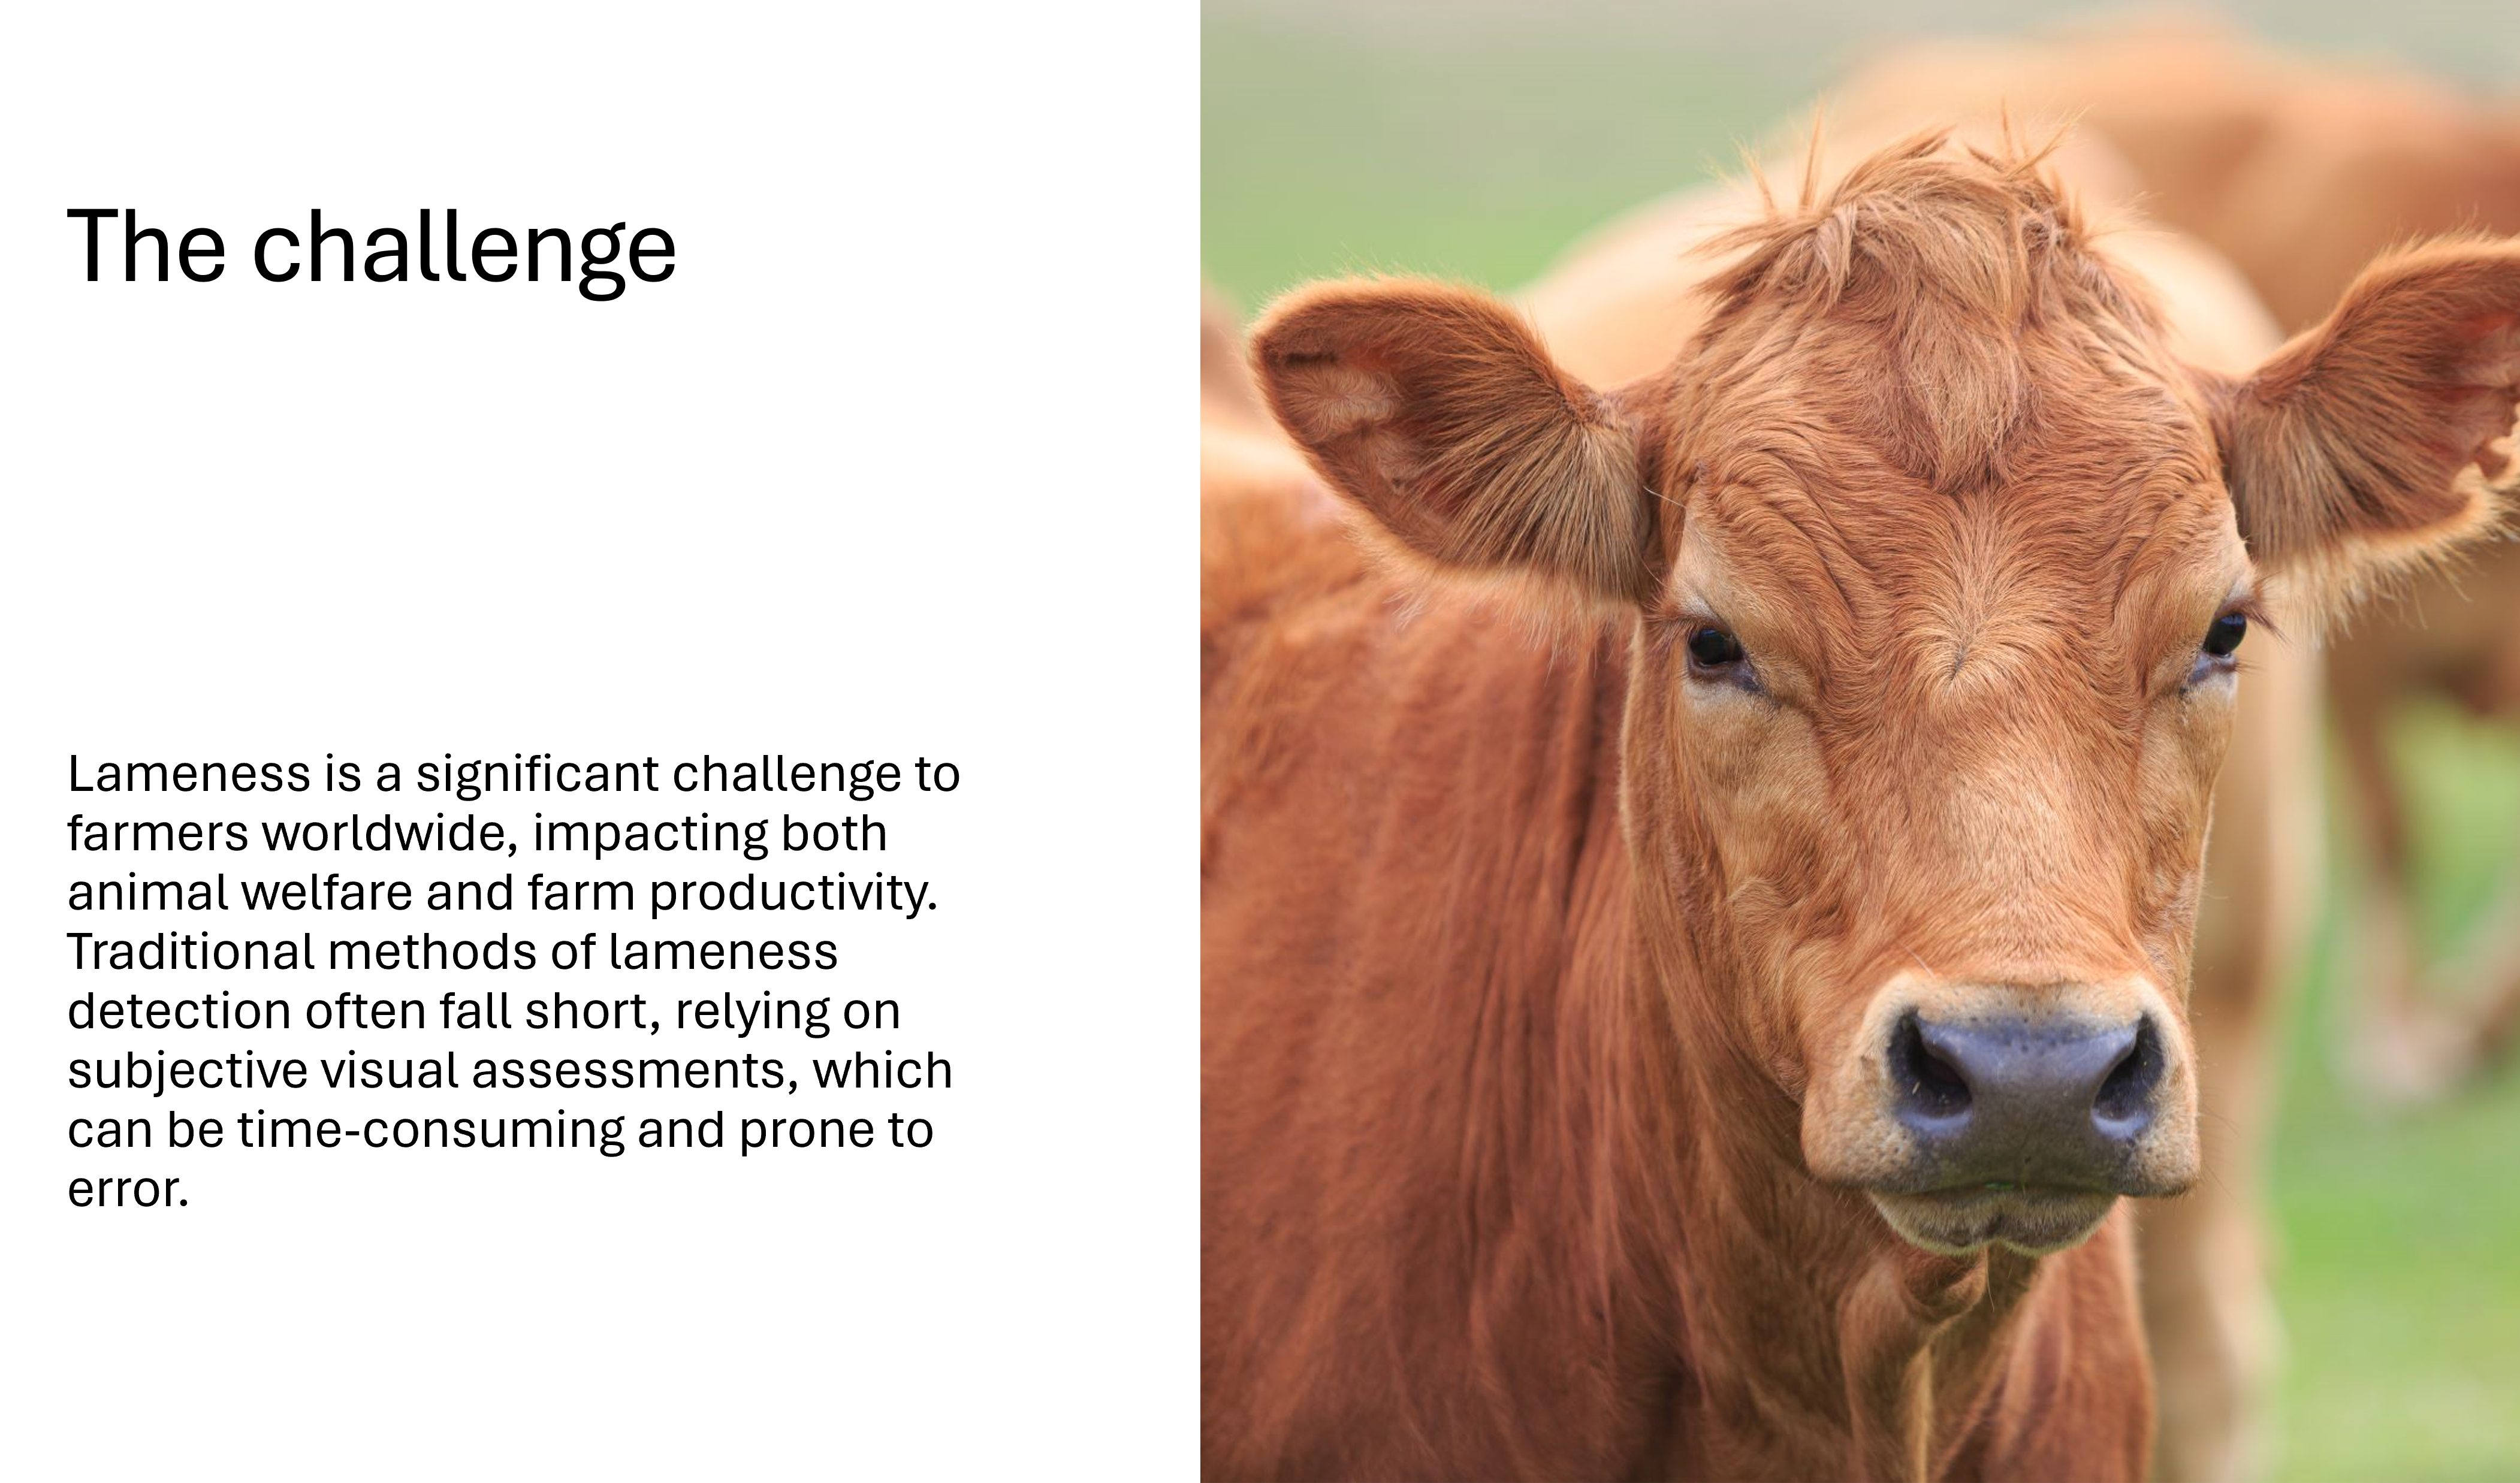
(2226, 635)
(1712, 651)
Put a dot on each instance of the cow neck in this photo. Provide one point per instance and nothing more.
(1806, 1333)
(1866, 1353)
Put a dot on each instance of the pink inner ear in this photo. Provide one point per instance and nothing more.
(2487, 324)
(2483, 390)
(1429, 500)
(1437, 497)
(2473, 419)
(2492, 357)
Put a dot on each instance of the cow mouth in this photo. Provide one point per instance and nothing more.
(2031, 1219)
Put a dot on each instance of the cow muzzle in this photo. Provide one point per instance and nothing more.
(1981, 1113)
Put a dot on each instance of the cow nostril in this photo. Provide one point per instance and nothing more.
(1927, 1082)
(2124, 1104)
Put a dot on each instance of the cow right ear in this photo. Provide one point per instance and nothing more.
(1438, 412)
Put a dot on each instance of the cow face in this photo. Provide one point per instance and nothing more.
(1939, 569)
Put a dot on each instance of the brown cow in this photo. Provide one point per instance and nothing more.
(1610, 308)
(1714, 1045)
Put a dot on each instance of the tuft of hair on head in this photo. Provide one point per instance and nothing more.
(1946, 259)
(1923, 214)
(1810, 192)
(1754, 170)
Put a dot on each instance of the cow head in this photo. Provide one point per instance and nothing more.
(1939, 567)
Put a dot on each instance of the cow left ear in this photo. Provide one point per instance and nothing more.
(2381, 439)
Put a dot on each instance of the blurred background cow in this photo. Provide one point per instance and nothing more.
(2297, 141)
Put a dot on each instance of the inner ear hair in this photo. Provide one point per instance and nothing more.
(1439, 413)
(2382, 441)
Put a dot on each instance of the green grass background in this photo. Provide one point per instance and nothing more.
(1476, 138)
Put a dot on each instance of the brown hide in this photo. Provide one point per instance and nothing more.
(1504, 1173)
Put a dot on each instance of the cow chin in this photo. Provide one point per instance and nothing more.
(1961, 1222)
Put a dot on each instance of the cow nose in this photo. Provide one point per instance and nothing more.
(2023, 1102)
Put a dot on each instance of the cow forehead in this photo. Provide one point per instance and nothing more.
(2102, 509)
(1860, 569)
